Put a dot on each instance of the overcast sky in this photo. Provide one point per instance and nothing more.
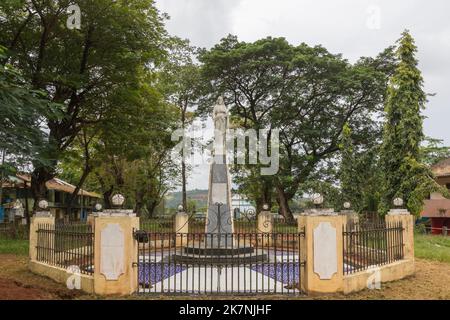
(354, 28)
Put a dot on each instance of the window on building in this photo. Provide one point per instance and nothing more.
(57, 197)
(448, 186)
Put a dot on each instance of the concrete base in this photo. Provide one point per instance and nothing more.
(392, 272)
(61, 275)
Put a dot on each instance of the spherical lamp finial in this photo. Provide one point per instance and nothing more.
(118, 200)
(398, 202)
(265, 207)
(98, 207)
(180, 208)
(317, 199)
(43, 204)
(347, 205)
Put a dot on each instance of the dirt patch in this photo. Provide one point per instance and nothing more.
(11, 290)
(17, 282)
(430, 282)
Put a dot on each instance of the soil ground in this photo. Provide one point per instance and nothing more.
(431, 281)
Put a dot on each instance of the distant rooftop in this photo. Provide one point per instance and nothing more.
(20, 179)
(442, 168)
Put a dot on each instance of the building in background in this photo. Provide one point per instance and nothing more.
(437, 208)
(17, 199)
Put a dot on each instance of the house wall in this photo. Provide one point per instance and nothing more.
(57, 209)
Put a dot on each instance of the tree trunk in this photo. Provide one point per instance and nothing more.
(283, 203)
(107, 197)
(27, 205)
(75, 192)
(39, 177)
(151, 206)
(2, 177)
(183, 164)
(183, 178)
(139, 204)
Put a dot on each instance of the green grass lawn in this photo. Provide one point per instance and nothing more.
(19, 247)
(432, 247)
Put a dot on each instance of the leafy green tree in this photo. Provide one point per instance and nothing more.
(359, 174)
(79, 69)
(22, 110)
(181, 84)
(305, 92)
(433, 151)
(404, 175)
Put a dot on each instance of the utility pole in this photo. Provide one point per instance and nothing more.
(2, 176)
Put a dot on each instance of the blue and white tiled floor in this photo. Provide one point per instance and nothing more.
(157, 276)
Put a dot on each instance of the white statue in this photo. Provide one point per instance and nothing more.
(220, 118)
(220, 115)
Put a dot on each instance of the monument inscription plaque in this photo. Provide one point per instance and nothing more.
(325, 250)
(112, 252)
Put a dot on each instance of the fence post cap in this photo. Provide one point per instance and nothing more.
(398, 212)
(319, 212)
(43, 214)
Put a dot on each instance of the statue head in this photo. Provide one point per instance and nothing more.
(220, 101)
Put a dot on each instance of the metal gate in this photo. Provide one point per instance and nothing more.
(201, 263)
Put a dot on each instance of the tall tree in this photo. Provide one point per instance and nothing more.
(181, 84)
(77, 68)
(22, 112)
(305, 92)
(404, 175)
(359, 173)
(433, 151)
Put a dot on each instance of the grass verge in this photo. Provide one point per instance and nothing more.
(432, 247)
(18, 247)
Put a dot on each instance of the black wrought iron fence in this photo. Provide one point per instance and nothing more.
(158, 224)
(206, 263)
(66, 246)
(368, 245)
(248, 224)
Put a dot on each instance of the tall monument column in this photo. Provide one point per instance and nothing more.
(219, 215)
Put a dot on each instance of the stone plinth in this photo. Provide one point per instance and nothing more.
(319, 212)
(322, 252)
(114, 255)
(181, 228)
(407, 220)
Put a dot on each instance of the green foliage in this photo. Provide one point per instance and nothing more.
(433, 151)
(18, 247)
(94, 73)
(404, 175)
(359, 174)
(22, 111)
(306, 92)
